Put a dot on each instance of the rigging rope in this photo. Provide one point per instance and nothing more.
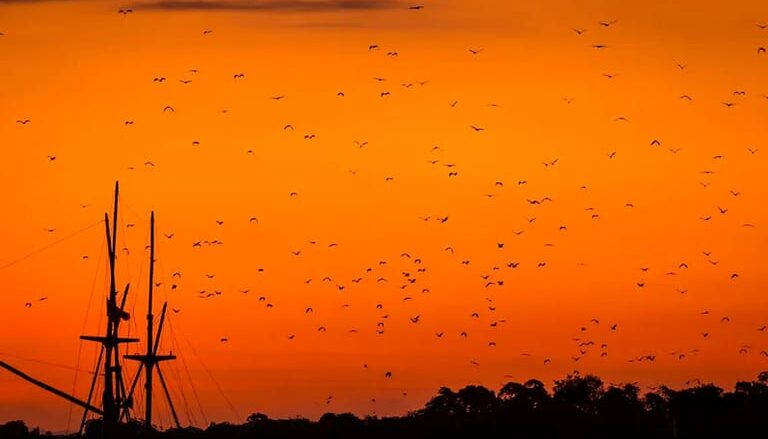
(189, 376)
(49, 245)
(191, 419)
(47, 363)
(85, 322)
(179, 380)
(210, 375)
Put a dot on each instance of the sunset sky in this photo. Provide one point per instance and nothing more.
(356, 126)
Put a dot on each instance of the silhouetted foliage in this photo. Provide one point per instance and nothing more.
(578, 407)
(14, 430)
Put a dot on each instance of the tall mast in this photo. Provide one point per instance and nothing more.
(113, 396)
(150, 322)
(117, 403)
(109, 394)
(150, 361)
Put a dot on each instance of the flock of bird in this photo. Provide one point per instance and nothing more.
(411, 275)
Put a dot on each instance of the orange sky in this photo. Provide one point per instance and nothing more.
(78, 70)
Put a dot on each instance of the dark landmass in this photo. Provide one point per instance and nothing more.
(578, 407)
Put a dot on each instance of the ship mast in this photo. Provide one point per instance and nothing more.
(151, 361)
(117, 403)
(113, 396)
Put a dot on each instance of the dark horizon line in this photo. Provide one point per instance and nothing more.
(574, 396)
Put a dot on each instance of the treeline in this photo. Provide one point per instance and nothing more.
(577, 407)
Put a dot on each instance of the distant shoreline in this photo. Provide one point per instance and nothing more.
(577, 406)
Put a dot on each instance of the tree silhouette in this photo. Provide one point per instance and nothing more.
(578, 407)
(581, 393)
(525, 397)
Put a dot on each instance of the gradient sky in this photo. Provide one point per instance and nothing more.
(78, 71)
